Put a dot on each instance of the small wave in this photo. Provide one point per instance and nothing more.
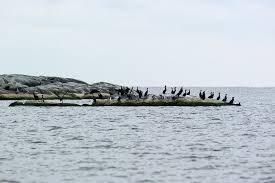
(54, 128)
(8, 181)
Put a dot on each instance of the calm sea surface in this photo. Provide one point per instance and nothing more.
(141, 144)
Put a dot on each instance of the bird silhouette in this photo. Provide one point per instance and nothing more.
(225, 98)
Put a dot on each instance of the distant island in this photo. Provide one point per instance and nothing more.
(38, 90)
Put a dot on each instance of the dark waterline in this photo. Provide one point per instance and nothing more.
(142, 144)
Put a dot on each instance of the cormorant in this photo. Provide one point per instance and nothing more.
(129, 96)
(94, 101)
(146, 93)
(140, 94)
(43, 98)
(100, 96)
(122, 90)
(203, 95)
(180, 92)
(119, 99)
(211, 95)
(219, 97)
(231, 101)
(225, 98)
(173, 91)
(188, 93)
(127, 89)
(184, 94)
(200, 95)
(164, 91)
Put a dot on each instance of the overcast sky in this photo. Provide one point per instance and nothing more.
(141, 42)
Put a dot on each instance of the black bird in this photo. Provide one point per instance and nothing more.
(180, 92)
(211, 95)
(188, 93)
(146, 93)
(94, 101)
(129, 96)
(164, 91)
(184, 94)
(225, 98)
(231, 101)
(219, 97)
(203, 95)
(122, 91)
(173, 91)
(139, 93)
(100, 96)
(200, 95)
(119, 99)
(43, 98)
(127, 90)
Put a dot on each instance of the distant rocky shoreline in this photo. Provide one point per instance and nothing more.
(24, 87)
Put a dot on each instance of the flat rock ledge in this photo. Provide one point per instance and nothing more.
(194, 101)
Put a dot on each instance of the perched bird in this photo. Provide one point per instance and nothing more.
(119, 99)
(100, 96)
(146, 93)
(129, 96)
(225, 98)
(184, 94)
(211, 95)
(188, 93)
(203, 95)
(164, 91)
(219, 96)
(127, 90)
(200, 94)
(173, 91)
(140, 94)
(94, 101)
(231, 101)
(180, 92)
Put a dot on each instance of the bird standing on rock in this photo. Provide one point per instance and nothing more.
(164, 91)
(184, 94)
(180, 92)
(203, 95)
(100, 96)
(189, 92)
(211, 95)
(219, 96)
(146, 93)
(225, 98)
(173, 90)
(231, 101)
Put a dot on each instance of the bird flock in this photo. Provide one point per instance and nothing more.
(129, 93)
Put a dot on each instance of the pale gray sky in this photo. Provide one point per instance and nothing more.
(141, 42)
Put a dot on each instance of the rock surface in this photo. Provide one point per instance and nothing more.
(23, 86)
(188, 101)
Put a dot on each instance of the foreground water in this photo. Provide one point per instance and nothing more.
(141, 144)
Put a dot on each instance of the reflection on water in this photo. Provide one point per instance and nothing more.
(141, 144)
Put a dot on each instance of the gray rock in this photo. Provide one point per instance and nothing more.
(16, 83)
